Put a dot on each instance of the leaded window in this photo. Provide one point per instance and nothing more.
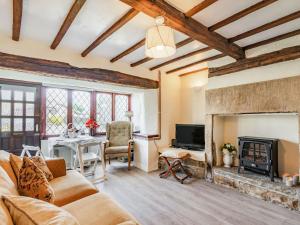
(56, 110)
(81, 108)
(121, 106)
(104, 110)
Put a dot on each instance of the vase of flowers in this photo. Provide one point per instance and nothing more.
(91, 124)
(228, 152)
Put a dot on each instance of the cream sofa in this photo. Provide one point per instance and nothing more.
(72, 192)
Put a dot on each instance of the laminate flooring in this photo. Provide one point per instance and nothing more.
(156, 201)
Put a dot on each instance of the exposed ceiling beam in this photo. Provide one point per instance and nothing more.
(177, 20)
(17, 19)
(142, 42)
(235, 17)
(129, 50)
(266, 26)
(65, 70)
(200, 7)
(193, 72)
(283, 55)
(146, 59)
(181, 57)
(241, 14)
(273, 39)
(77, 5)
(196, 63)
(117, 25)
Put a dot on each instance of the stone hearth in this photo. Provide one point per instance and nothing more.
(258, 186)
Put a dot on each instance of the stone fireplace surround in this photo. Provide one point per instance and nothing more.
(274, 96)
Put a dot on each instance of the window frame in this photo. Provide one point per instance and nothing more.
(93, 107)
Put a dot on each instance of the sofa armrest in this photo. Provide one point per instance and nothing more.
(57, 167)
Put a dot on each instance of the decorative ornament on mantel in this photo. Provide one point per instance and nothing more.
(228, 152)
(160, 40)
(92, 125)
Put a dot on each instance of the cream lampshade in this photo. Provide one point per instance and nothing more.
(160, 40)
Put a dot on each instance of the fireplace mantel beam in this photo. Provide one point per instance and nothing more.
(283, 55)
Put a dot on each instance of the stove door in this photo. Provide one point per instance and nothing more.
(254, 154)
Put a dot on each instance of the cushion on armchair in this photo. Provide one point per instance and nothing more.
(117, 149)
(118, 133)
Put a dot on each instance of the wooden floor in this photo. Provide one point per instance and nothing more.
(165, 201)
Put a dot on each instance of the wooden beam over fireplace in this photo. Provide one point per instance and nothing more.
(283, 55)
(65, 70)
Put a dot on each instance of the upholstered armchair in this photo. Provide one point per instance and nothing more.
(119, 141)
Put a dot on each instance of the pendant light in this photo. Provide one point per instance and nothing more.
(160, 40)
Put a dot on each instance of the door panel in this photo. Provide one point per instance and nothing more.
(19, 116)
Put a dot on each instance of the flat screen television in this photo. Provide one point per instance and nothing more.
(191, 136)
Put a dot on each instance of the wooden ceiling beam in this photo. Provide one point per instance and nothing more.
(147, 59)
(193, 72)
(266, 26)
(227, 21)
(77, 5)
(142, 42)
(65, 70)
(117, 25)
(283, 55)
(129, 50)
(241, 14)
(273, 39)
(197, 62)
(177, 20)
(200, 7)
(181, 57)
(17, 19)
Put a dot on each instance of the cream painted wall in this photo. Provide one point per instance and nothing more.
(193, 98)
(281, 126)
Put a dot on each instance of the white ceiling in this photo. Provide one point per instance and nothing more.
(43, 18)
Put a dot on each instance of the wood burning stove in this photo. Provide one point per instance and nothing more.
(259, 155)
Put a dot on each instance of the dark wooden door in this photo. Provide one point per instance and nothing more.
(19, 116)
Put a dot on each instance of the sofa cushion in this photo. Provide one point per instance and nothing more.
(16, 163)
(116, 149)
(5, 164)
(30, 211)
(98, 209)
(71, 187)
(5, 217)
(7, 187)
(41, 164)
(33, 183)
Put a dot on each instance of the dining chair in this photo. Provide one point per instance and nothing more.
(83, 157)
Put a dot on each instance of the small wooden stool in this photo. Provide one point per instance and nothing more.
(178, 158)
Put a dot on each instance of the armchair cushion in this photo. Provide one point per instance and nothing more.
(116, 149)
(118, 133)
